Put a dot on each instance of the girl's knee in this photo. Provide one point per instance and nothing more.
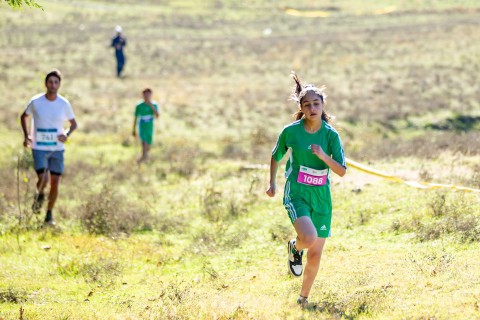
(308, 239)
(314, 255)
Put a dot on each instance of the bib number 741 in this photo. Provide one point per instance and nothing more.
(46, 137)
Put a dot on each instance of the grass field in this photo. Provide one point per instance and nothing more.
(191, 234)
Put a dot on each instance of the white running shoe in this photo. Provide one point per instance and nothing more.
(294, 259)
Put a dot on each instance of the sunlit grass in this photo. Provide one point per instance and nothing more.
(194, 235)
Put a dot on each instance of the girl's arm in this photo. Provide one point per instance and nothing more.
(273, 177)
(331, 163)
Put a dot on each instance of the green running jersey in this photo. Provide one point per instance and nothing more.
(295, 137)
(145, 116)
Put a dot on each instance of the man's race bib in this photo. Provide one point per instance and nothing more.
(312, 177)
(46, 137)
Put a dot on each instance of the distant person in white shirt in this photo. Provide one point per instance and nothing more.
(49, 112)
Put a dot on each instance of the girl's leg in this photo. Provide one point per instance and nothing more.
(314, 255)
(306, 233)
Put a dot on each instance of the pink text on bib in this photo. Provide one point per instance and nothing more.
(312, 177)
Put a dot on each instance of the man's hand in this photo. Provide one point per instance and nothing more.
(318, 151)
(27, 142)
(271, 190)
(62, 138)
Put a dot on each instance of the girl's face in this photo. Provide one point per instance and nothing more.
(312, 106)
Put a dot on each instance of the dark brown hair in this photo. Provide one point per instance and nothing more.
(54, 73)
(300, 90)
(147, 90)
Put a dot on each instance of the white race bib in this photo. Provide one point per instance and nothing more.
(46, 137)
(147, 118)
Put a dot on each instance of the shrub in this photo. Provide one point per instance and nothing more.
(108, 213)
(444, 214)
(181, 156)
(216, 206)
(353, 305)
(12, 295)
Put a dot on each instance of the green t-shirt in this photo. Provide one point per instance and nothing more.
(145, 115)
(295, 137)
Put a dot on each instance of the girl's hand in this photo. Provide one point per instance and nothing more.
(317, 150)
(271, 190)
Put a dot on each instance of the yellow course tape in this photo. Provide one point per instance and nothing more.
(307, 14)
(325, 14)
(415, 184)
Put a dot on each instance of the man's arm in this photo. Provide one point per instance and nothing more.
(27, 141)
(73, 125)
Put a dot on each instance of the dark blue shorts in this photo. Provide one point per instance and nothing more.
(48, 161)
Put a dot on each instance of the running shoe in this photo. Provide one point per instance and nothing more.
(294, 259)
(49, 219)
(302, 301)
(38, 202)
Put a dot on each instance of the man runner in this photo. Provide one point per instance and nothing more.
(49, 111)
(145, 112)
(118, 42)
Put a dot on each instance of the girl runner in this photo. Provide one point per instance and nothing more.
(315, 151)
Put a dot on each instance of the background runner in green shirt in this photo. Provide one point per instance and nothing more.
(315, 150)
(145, 112)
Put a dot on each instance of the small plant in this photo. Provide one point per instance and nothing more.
(108, 213)
(432, 262)
(212, 204)
(353, 305)
(216, 206)
(281, 232)
(181, 158)
(444, 214)
(101, 271)
(12, 295)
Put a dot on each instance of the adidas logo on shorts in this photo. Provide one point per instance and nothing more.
(323, 228)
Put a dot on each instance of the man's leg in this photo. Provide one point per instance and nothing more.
(42, 181)
(41, 165)
(56, 170)
(40, 192)
(120, 63)
(52, 197)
